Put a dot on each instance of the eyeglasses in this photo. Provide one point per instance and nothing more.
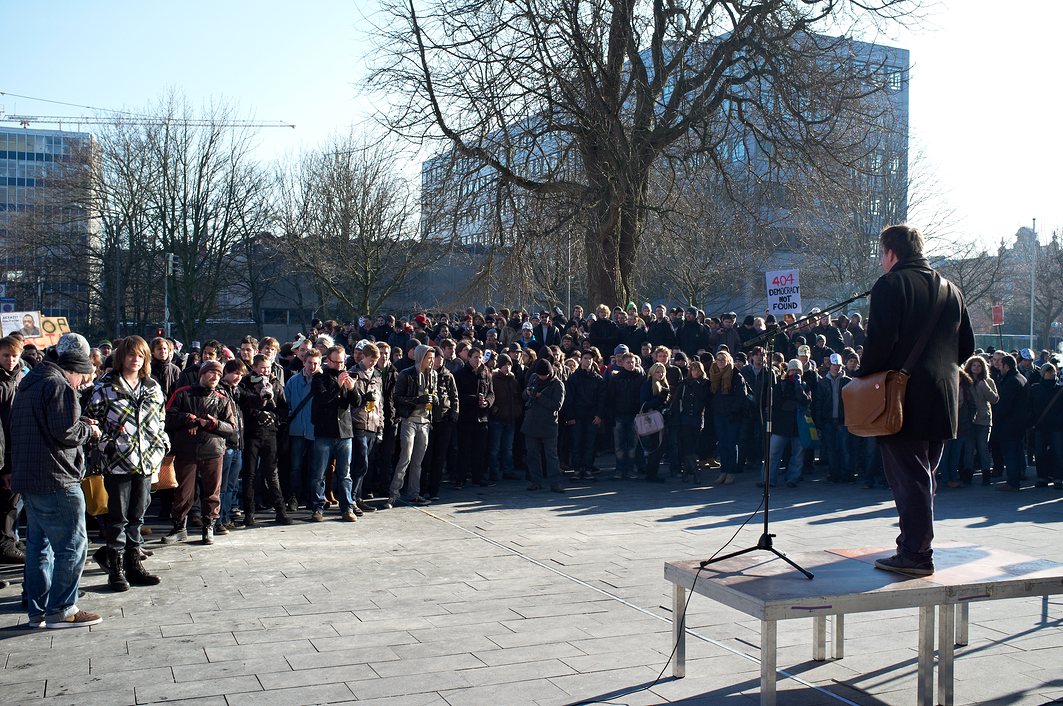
(333, 361)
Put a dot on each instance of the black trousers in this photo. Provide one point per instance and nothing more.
(473, 443)
(128, 497)
(910, 466)
(260, 460)
(8, 511)
(435, 462)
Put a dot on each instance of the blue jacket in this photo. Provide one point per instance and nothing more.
(295, 391)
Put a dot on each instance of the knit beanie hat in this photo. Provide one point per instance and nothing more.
(73, 351)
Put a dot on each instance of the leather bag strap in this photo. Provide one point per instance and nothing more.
(920, 345)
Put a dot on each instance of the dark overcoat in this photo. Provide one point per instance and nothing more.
(902, 301)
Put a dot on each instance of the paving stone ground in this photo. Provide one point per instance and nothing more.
(501, 596)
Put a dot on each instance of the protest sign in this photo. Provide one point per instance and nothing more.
(784, 292)
(28, 323)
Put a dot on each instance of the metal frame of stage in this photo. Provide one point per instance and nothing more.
(847, 582)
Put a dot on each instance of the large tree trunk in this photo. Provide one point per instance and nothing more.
(612, 239)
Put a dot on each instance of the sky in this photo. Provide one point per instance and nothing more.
(985, 83)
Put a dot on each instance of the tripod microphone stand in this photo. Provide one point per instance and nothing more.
(765, 542)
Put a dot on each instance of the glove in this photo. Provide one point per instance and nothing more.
(191, 420)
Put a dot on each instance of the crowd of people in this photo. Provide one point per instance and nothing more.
(358, 417)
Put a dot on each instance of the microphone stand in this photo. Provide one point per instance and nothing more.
(765, 542)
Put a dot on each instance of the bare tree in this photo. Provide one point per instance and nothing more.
(584, 98)
(347, 219)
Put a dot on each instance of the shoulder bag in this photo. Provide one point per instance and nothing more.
(874, 404)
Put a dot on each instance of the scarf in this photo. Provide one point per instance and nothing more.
(720, 379)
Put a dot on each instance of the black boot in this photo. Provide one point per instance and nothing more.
(179, 533)
(282, 515)
(135, 572)
(116, 576)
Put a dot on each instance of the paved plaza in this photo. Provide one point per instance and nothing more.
(501, 596)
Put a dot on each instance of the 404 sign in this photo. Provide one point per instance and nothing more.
(784, 292)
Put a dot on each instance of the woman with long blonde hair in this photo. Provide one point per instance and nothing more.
(655, 396)
(728, 390)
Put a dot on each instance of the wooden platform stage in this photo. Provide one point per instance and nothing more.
(764, 587)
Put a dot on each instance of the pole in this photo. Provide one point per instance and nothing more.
(166, 294)
(1033, 277)
(568, 276)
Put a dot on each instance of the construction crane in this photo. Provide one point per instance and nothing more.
(60, 120)
(119, 117)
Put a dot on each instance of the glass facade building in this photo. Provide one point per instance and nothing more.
(28, 160)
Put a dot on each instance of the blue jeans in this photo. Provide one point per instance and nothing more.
(777, 446)
(836, 439)
(955, 454)
(231, 464)
(500, 448)
(727, 443)
(56, 547)
(584, 436)
(324, 449)
(983, 459)
(624, 442)
(300, 448)
(361, 448)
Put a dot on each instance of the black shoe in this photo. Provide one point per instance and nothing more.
(220, 529)
(196, 520)
(900, 565)
(358, 512)
(116, 576)
(135, 572)
(364, 506)
(208, 534)
(557, 488)
(656, 479)
(485, 483)
(534, 486)
(249, 520)
(179, 533)
(293, 505)
(1041, 484)
(282, 518)
(12, 555)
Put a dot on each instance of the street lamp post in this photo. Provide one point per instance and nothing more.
(1033, 276)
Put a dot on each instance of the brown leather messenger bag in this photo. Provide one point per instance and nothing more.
(874, 404)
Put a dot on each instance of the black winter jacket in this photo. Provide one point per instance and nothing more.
(330, 410)
(583, 395)
(197, 402)
(622, 394)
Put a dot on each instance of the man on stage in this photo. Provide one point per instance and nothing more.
(902, 303)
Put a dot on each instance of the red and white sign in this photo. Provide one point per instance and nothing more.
(998, 314)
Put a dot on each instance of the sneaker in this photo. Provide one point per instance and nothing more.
(318, 516)
(220, 529)
(80, 619)
(900, 565)
(195, 520)
(364, 506)
(238, 515)
(35, 623)
(348, 517)
(208, 534)
(358, 512)
(293, 505)
(534, 486)
(282, 519)
(485, 483)
(558, 488)
(230, 525)
(1041, 484)
(1008, 488)
(419, 501)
